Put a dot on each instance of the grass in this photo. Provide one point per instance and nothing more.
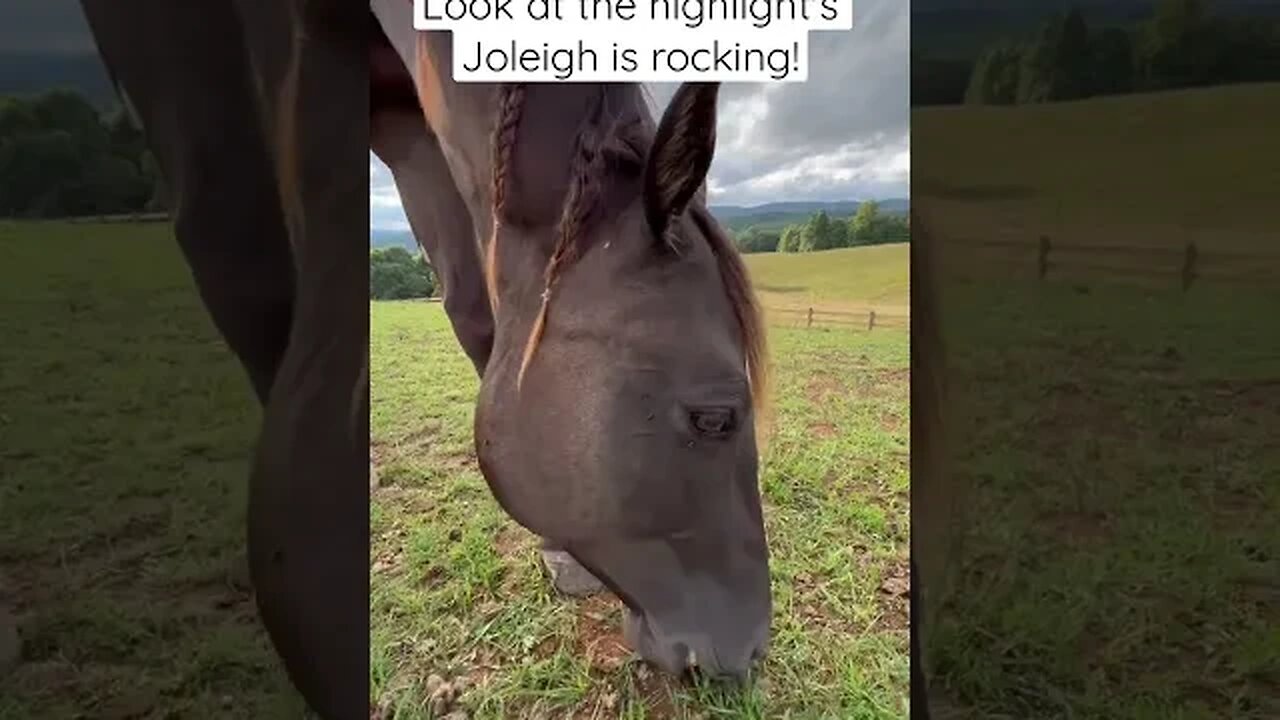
(852, 279)
(1080, 171)
(125, 433)
(1119, 555)
(457, 592)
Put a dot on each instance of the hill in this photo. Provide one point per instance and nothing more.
(999, 172)
(380, 238)
(850, 278)
(777, 215)
(770, 216)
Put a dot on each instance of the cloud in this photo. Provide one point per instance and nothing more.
(45, 27)
(843, 135)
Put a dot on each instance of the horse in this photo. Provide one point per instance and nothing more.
(624, 365)
(602, 265)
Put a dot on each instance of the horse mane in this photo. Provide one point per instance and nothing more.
(605, 142)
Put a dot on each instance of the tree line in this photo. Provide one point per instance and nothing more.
(61, 157)
(1181, 44)
(397, 274)
(868, 226)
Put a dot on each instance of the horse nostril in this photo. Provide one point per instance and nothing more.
(712, 422)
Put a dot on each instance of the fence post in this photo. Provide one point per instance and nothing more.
(1042, 266)
(809, 323)
(871, 320)
(1189, 266)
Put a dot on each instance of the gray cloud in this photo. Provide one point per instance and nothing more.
(843, 135)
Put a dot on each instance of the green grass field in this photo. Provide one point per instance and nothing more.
(850, 278)
(461, 609)
(125, 433)
(1120, 555)
(1080, 171)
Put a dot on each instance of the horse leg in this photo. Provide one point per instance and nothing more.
(440, 222)
(184, 72)
(186, 76)
(308, 497)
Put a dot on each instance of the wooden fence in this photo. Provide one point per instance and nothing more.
(125, 218)
(814, 317)
(1184, 265)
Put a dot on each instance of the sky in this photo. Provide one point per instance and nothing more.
(843, 135)
(43, 26)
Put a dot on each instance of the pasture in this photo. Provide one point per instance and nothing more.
(463, 620)
(1115, 434)
(853, 279)
(125, 433)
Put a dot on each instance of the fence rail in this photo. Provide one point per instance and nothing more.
(1186, 265)
(811, 317)
(124, 218)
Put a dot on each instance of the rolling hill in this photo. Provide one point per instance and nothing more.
(1082, 171)
(850, 278)
(770, 216)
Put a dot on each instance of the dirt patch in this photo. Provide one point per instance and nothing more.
(598, 634)
(642, 685)
(822, 386)
(890, 422)
(823, 430)
(895, 597)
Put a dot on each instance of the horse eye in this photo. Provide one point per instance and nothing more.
(712, 421)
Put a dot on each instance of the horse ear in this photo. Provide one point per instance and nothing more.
(680, 155)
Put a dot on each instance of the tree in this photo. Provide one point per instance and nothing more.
(108, 185)
(839, 234)
(36, 171)
(396, 274)
(68, 111)
(995, 76)
(1174, 44)
(817, 233)
(755, 240)
(790, 240)
(1113, 62)
(125, 137)
(894, 229)
(16, 118)
(864, 226)
(59, 157)
(1057, 65)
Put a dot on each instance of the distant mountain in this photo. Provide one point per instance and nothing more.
(770, 216)
(30, 73)
(778, 215)
(379, 238)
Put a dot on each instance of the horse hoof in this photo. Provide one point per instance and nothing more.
(568, 577)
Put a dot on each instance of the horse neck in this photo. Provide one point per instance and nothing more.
(463, 115)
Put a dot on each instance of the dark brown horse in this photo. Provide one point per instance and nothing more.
(620, 346)
(616, 414)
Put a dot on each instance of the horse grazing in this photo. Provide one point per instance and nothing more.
(619, 345)
(617, 408)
